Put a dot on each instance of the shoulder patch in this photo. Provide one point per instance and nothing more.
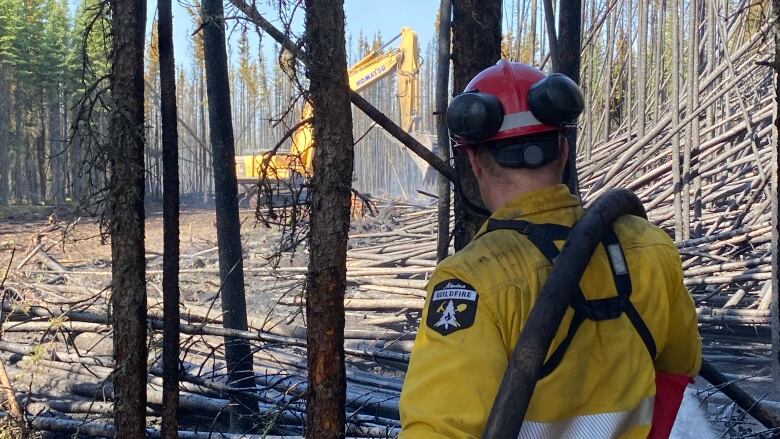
(453, 306)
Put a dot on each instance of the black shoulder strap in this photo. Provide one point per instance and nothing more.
(542, 236)
(619, 267)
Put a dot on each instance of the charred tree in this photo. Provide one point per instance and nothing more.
(443, 141)
(569, 39)
(641, 71)
(330, 206)
(56, 150)
(5, 133)
(552, 37)
(776, 206)
(569, 43)
(533, 11)
(675, 110)
(476, 45)
(170, 282)
(126, 216)
(231, 267)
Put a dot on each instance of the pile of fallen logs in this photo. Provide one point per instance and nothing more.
(56, 333)
(717, 204)
(65, 377)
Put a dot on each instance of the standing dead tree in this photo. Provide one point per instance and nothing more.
(776, 205)
(569, 40)
(442, 86)
(170, 153)
(476, 34)
(231, 267)
(126, 216)
(330, 211)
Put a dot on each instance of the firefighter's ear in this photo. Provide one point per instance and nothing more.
(563, 147)
(476, 166)
(563, 152)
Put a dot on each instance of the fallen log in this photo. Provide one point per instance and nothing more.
(754, 408)
(51, 263)
(8, 392)
(190, 329)
(365, 304)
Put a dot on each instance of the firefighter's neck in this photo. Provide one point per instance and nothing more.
(497, 191)
(498, 186)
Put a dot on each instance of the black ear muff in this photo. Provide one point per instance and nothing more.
(475, 116)
(556, 100)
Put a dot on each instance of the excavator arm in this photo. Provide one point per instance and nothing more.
(404, 61)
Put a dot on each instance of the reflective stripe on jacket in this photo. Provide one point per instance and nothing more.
(478, 300)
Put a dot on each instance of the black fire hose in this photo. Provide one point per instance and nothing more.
(514, 394)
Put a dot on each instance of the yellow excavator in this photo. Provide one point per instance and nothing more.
(379, 63)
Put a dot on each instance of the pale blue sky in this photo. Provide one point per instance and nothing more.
(368, 16)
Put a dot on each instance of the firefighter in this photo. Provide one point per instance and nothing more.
(631, 324)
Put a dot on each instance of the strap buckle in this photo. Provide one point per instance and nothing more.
(609, 308)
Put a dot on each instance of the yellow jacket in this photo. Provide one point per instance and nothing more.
(605, 384)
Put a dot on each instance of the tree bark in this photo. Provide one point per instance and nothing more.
(569, 43)
(590, 94)
(330, 207)
(5, 129)
(442, 87)
(126, 210)
(675, 110)
(660, 15)
(628, 68)
(75, 158)
(552, 36)
(38, 195)
(641, 62)
(607, 92)
(691, 178)
(534, 11)
(776, 208)
(476, 33)
(231, 267)
(170, 282)
(56, 149)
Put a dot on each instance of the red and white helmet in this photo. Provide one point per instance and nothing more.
(512, 100)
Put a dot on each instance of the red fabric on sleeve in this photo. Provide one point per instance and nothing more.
(669, 390)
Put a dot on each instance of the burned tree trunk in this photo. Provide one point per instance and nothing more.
(569, 41)
(641, 71)
(126, 221)
(776, 207)
(5, 131)
(231, 267)
(330, 206)
(552, 36)
(443, 141)
(170, 157)
(56, 149)
(679, 225)
(476, 33)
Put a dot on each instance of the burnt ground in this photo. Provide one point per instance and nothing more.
(77, 243)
